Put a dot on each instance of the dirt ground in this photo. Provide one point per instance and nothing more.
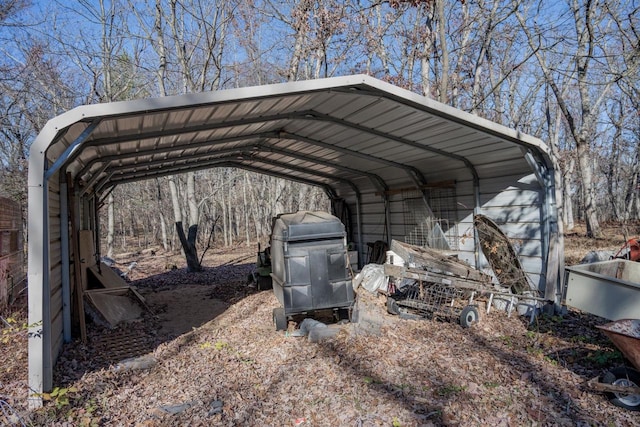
(206, 353)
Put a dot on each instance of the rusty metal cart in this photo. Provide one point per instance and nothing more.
(622, 384)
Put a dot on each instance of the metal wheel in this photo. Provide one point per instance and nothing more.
(392, 306)
(469, 316)
(279, 319)
(624, 377)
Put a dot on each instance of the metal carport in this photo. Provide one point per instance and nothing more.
(379, 150)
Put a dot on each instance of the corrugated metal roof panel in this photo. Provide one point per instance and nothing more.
(351, 134)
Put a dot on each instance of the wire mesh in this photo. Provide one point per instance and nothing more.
(437, 301)
(430, 218)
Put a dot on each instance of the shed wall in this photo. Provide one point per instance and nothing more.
(513, 201)
(12, 272)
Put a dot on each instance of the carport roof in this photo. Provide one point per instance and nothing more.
(352, 132)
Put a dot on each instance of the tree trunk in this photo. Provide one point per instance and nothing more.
(568, 197)
(591, 214)
(223, 206)
(191, 198)
(230, 216)
(110, 225)
(189, 246)
(246, 208)
(163, 230)
(279, 202)
(163, 223)
(443, 95)
(188, 243)
(300, 27)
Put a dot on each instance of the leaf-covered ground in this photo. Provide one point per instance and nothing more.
(233, 368)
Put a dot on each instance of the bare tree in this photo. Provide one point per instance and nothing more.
(579, 60)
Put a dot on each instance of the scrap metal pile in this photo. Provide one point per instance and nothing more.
(431, 284)
(434, 284)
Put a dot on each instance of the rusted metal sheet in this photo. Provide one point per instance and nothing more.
(625, 335)
(502, 257)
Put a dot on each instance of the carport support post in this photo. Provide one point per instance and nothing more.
(39, 344)
(64, 246)
(559, 240)
(360, 238)
(476, 211)
(550, 268)
(387, 217)
(96, 228)
(40, 363)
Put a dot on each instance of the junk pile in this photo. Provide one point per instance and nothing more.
(310, 274)
(431, 284)
(421, 282)
(262, 275)
(501, 255)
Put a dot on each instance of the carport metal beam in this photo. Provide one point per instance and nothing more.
(193, 129)
(415, 175)
(302, 115)
(168, 171)
(375, 179)
(168, 149)
(245, 150)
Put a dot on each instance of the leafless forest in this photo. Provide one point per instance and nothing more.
(566, 72)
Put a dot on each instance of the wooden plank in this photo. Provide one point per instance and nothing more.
(111, 281)
(435, 261)
(113, 306)
(87, 251)
(107, 276)
(123, 290)
(432, 277)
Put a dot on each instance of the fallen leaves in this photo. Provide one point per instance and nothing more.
(237, 370)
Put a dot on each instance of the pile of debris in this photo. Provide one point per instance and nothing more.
(421, 282)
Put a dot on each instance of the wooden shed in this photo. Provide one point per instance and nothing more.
(12, 271)
(396, 165)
